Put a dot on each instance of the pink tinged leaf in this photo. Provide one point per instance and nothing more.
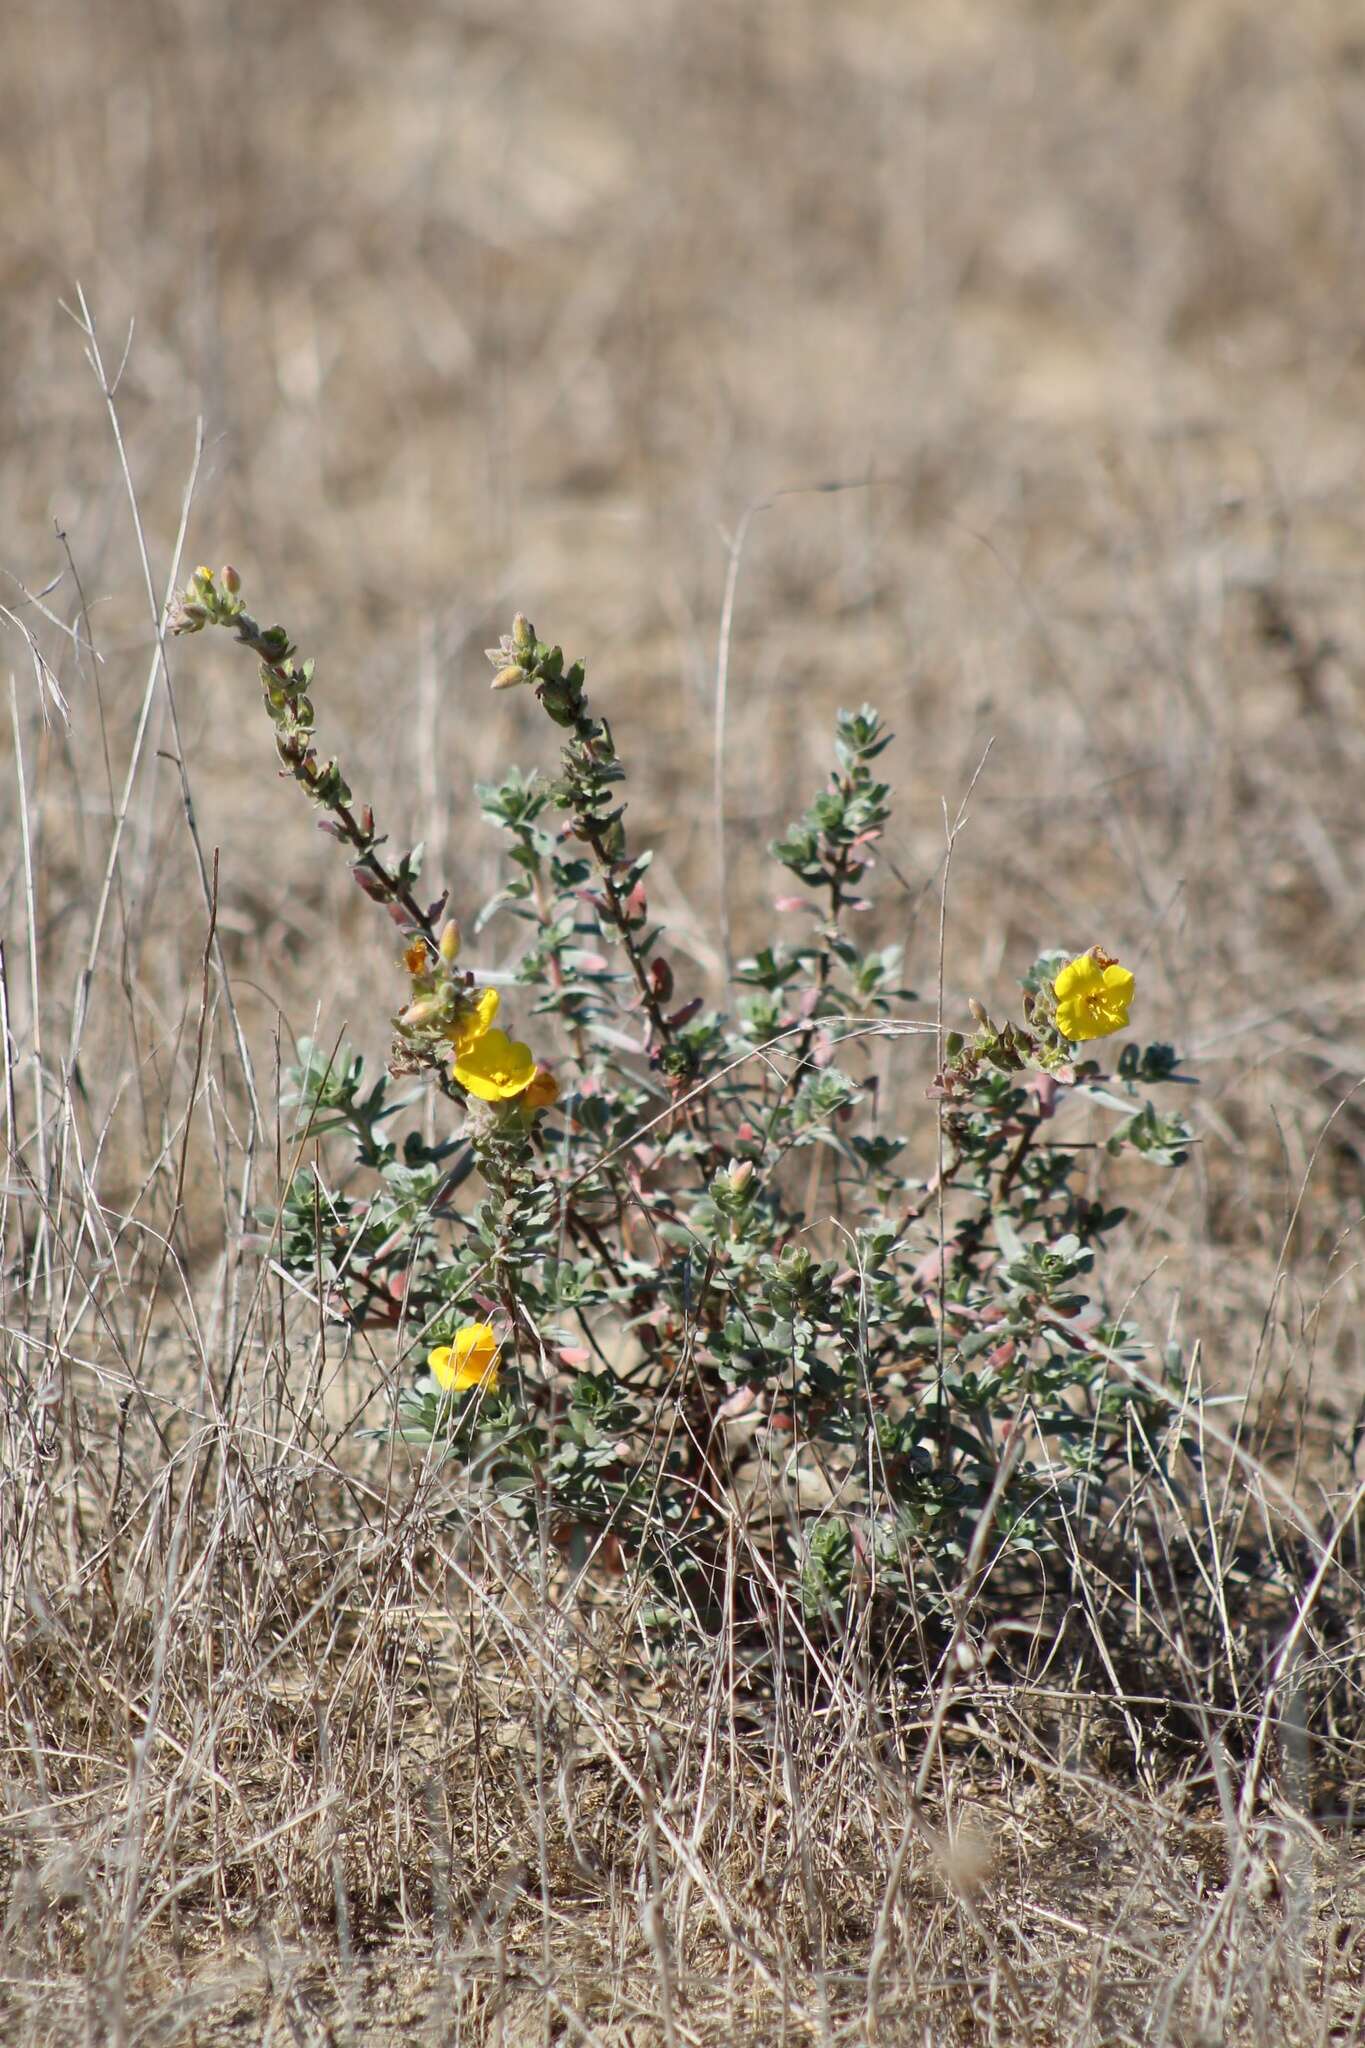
(575, 1355)
(739, 1403)
(1077, 1323)
(786, 903)
(807, 1002)
(928, 1271)
(684, 1015)
(1044, 1086)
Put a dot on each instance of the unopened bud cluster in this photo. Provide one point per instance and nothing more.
(735, 1189)
(208, 602)
(439, 997)
(520, 658)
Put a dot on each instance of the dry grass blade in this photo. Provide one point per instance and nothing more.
(448, 304)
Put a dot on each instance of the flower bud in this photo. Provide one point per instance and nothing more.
(449, 943)
(425, 1011)
(523, 634)
(230, 580)
(508, 678)
(741, 1173)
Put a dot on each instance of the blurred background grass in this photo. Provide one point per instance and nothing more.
(487, 308)
(490, 308)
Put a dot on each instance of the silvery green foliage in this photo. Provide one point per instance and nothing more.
(736, 1306)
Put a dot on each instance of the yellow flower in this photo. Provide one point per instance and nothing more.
(469, 1028)
(494, 1067)
(1094, 995)
(471, 1361)
(542, 1090)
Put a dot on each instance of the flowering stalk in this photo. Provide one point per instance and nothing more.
(441, 1012)
(210, 601)
(590, 770)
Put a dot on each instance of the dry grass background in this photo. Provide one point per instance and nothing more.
(487, 308)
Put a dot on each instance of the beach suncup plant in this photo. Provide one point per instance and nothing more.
(666, 1278)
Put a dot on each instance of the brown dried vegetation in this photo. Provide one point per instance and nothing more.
(486, 307)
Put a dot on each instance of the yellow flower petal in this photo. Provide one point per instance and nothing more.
(1093, 997)
(470, 1360)
(1077, 978)
(495, 1067)
(469, 1028)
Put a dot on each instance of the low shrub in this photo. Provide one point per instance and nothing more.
(669, 1279)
